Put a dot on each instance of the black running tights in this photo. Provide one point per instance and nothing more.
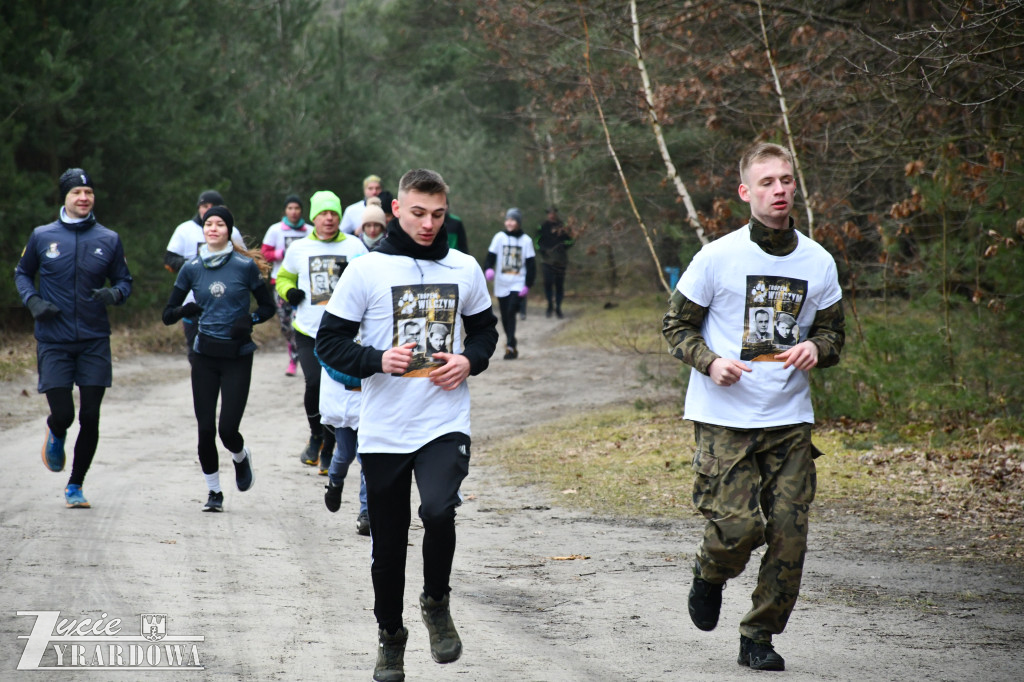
(229, 379)
(509, 307)
(304, 346)
(62, 414)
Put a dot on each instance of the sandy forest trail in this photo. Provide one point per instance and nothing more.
(279, 589)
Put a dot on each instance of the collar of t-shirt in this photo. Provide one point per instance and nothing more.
(773, 242)
(339, 237)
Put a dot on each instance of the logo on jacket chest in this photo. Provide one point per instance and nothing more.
(217, 289)
(52, 251)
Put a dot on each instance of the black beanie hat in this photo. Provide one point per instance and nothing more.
(212, 197)
(223, 212)
(292, 199)
(72, 178)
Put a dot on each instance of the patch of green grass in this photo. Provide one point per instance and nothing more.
(633, 324)
(621, 461)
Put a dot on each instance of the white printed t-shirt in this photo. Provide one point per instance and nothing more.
(318, 267)
(387, 294)
(512, 254)
(280, 236)
(735, 280)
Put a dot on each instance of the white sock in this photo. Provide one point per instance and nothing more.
(213, 481)
(239, 456)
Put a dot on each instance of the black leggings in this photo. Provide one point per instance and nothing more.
(304, 346)
(509, 306)
(554, 285)
(229, 379)
(62, 414)
(440, 467)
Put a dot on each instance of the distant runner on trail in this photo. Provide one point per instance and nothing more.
(749, 398)
(415, 412)
(511, 264)
(291, 227)
(74, 257)
(352, 218)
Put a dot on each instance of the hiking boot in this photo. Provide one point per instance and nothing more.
(244, 477)
(445, 645)
(511, 353)
(759, 655)
(291, 368)
(311, 453)
(332, 498)
(73, 497)
(214, 503)
(558, 313)
(363, 524)
(390, 666)
(705, 603)
(53, 451)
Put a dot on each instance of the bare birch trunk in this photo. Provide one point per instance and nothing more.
(785, 121)
(615, 157)
(691, 212)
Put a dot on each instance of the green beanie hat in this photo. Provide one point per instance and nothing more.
(324, 201)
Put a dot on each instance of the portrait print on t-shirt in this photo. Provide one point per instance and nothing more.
(771, 308)
(424, 314)
(324, 273)
(511, 259)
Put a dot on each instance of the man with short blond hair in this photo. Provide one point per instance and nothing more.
(750, 399)
(352, 218)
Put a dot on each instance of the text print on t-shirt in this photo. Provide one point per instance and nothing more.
(771, 310)
(324, 273)
(511, 259)
(424, 314)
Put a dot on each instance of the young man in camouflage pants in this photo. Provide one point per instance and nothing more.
(750, 399)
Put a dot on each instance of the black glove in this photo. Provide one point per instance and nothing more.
(241, 328)
(295, 296)
(190, 310)
(107, 296)
(41, 309)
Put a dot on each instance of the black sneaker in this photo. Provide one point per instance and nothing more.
(332, 498)
(214, 503)
(511, 353)
(244, 477)
(705, 603)
(363, 524)
(759, 655)
(445, 645)
(390, 666)
(311, 453)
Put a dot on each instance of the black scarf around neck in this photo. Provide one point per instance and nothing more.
(398, 243)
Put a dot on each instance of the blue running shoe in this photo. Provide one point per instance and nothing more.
(74, 498)
(53, 451)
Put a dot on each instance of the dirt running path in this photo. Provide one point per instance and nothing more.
(280, 589)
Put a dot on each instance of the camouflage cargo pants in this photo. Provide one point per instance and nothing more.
(755, 487)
